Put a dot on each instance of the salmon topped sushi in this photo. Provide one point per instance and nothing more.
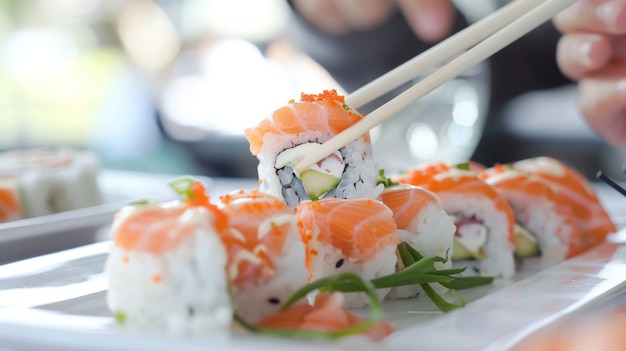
(593, 220)
(10, 205)
(546, 225)
(266, 254)
(348, 235)
(51, 180)
(485, 222)
(423, 224)
(292, 131)
(167, 268)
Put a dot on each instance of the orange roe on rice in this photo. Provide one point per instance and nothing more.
(326, 95)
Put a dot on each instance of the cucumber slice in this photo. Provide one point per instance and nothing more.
(462, 253)
(317, 184)
(525, 243)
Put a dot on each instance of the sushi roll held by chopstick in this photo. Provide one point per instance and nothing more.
(292, 131)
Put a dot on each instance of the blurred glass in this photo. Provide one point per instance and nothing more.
(445, 125)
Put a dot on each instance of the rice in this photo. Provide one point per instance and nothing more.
(499, 260)
(431, 234)
(331, 261)
(359, 178)
(262, 296)
(182, 291)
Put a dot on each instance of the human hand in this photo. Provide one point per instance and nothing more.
(431, 20)
(592, 51)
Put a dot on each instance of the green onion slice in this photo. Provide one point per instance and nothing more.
(183, 187)
(384, 180)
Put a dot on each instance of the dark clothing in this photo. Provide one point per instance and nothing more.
(359, 57)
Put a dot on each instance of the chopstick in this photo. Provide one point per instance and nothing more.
(443, 51)
(516, 29)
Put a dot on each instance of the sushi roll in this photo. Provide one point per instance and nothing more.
(348, 235)
(593, 220)
(485, 223)
(52, 180)
(423, 224)
(10, 204)
(546, 225)
(266, 254)
(167, 269)
(292, 131)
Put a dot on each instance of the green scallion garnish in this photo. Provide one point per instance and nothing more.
(463, 166)
(385, 181)
(328, 284)
(183, 187)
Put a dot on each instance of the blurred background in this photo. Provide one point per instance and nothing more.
(167, 86)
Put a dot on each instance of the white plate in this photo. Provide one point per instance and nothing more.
(58, 301)
(45, 234)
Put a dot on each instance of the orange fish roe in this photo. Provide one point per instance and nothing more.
(326, 95)
(200, 198)
(157, 278)
(326, 113)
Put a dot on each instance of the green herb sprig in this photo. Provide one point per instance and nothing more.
(418, 270)
(384, 180)
(327, 284)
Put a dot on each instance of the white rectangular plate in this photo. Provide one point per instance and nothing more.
(57, 302)
(45, 234)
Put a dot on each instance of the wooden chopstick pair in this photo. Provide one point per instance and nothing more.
(471, 46)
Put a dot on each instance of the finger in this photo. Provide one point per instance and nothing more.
(323, 15)
(618, 44)
(431, 20)
(603, 103)
(365, 14)
(607, 16)
(581, 53)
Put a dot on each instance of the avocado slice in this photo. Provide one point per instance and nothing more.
(317, 183)
(462, 253)
(525, 243)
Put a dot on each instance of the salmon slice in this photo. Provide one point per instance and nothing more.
(532, 198)
(407, 202)
(593, 220)
(157, 228)
(348, 235)
(266, 255)
(325, 113)
(359, 228)
(260, 224)
(152, 229)
(325, 315)
(257, 218)
(10, 208)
